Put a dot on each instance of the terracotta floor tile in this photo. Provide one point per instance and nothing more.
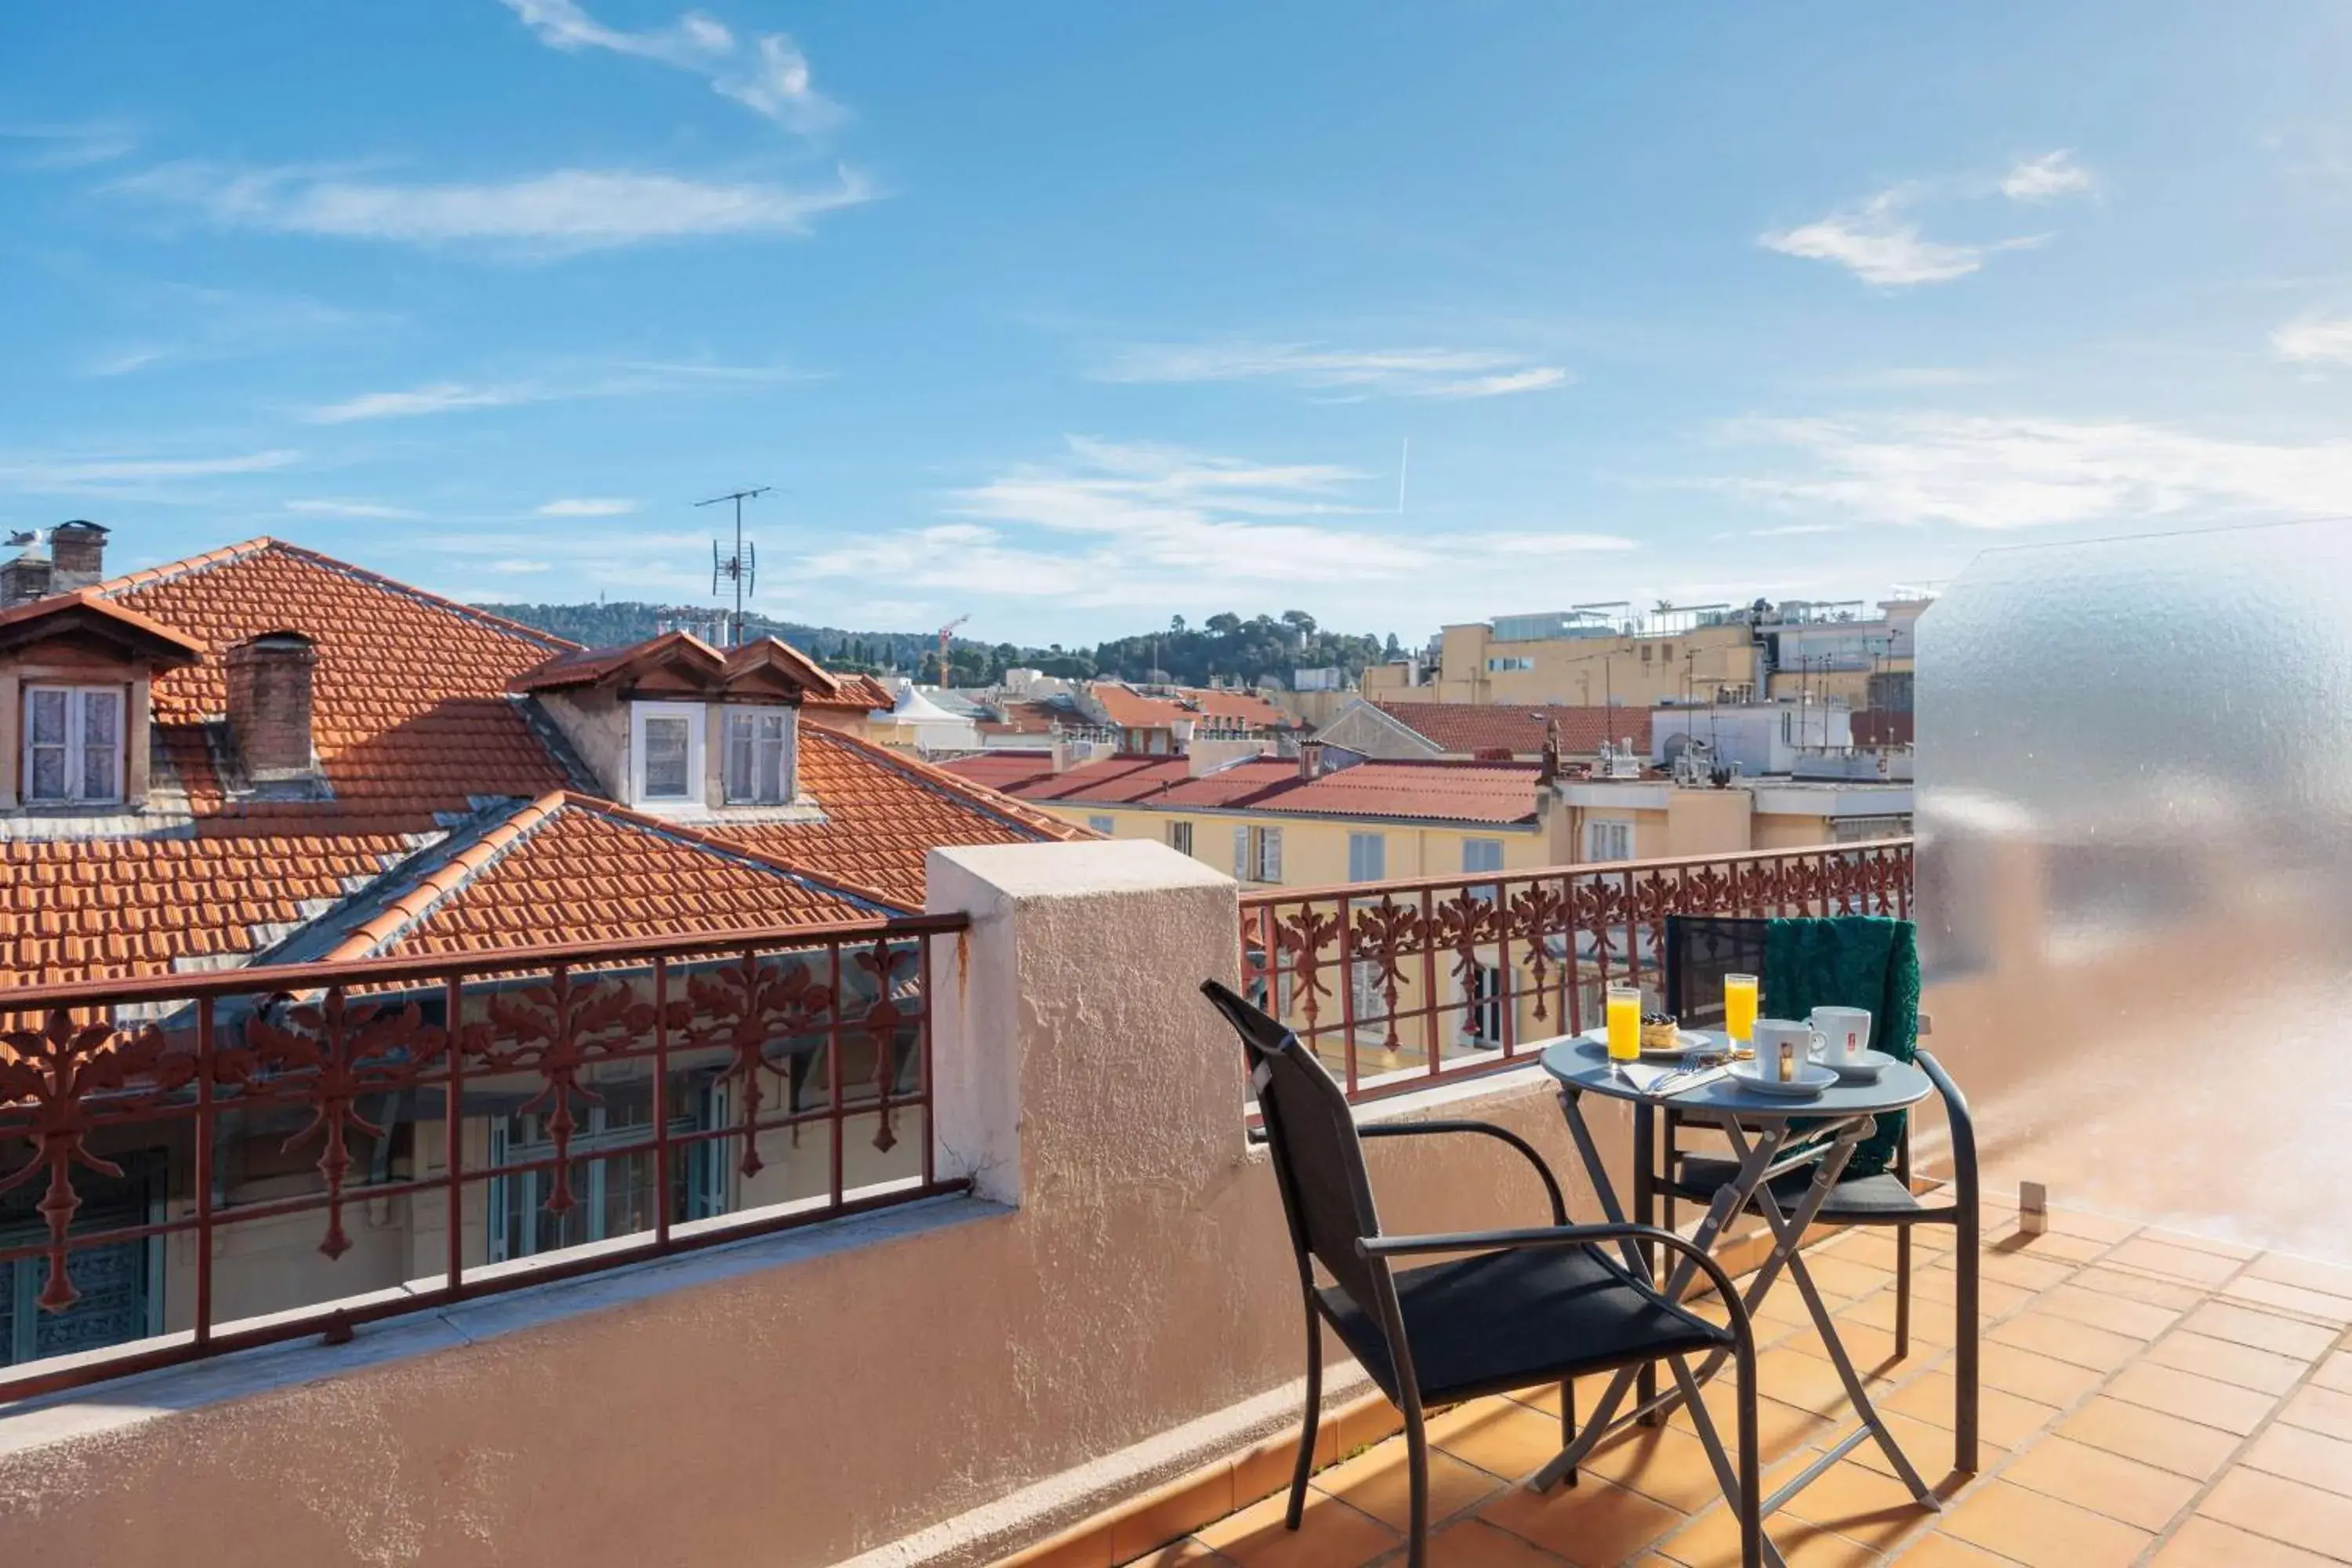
(2225, 1361)
(1171, 1512)
(2150, 1256)
(2063, 1338)
(1506, 1440)
(1840, 1280)
(1592, 1524)
(1927, 1446)
(2134, 1286)
(1364, 1423)
(2300, 1455)
(1862, 1504)
(2103, 1227)
(2003, 1419)
(1714, 1543)
(1330, 1535)
(2282, 1510)
(1266, 1467)
(1871, 1349)
(2333, 1279)
(1087, 1546)
(1779, 1428)
(2139, 1495)
(1932, 1322)
(1873, 1247)
(2335, 1373)
(2215, 1245)
(2195, 1399)
(2202, 1542)
(1376, 1483)
(2014, 1370)
(2023, 1270)
(1995, 1298)
(2168, 1442)
(1664, 1463)
(1808, 1382)
(2055, 1245)
(2043, 1531)
(2318, 1409)
(1184, 1553)
(2264, 1330)
(2101, 1309)
(2296, 1299)
(1475, 1545)
(1941, 1551)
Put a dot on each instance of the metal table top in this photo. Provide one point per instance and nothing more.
(1899, 1085)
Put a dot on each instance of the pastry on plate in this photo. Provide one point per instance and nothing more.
(1659, 1032)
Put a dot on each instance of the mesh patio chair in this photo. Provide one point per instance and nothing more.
(1508, 1309)
(1700, 951)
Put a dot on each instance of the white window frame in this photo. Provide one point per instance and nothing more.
(1105, 825)
(698, 721)
(1265, 854)
(788, 747)
(1478, 849)
(1368, 998)
(1367, 857)
(1608, 838)
(78, 701)
(1482, 993)
(1180, 837)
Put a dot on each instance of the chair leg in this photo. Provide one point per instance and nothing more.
(1308, 1428)
(1568, 1421)
(1751, 1473)
(1416, 1459)
(1902, 1291)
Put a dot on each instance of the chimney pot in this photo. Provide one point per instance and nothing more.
(77, 555)
(270, 701)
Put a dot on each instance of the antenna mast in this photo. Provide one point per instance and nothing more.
(742, 568)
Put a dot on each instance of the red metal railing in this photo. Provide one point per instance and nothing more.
(1395, 983)
(197, 1163)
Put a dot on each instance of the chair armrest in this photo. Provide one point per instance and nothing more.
(1383, 1247)
(1483, 1129)
(1963, 1126)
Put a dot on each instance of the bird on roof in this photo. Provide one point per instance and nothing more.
(23, 536)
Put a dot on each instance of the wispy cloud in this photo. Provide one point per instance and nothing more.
(565, 212)
(516, 563)
(2047, 177)
(439, 398)
(334, 506)
(2315, 340)
(72, 145)
(2019, 472)
(109, 474)
(588, 506)
(627, 379)
(180, 323)
(1879, 242)
(770, 76)
(1401, 373)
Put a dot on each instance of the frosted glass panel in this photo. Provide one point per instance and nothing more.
(2135, 804)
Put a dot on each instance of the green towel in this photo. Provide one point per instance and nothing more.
(1851, 961)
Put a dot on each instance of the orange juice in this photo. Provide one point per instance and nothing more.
(1624, 1024)
(1740, 1007)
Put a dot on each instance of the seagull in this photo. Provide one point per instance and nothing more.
(23, 536)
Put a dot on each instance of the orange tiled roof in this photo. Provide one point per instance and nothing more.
(1491, 792)
(1463, 728)
(1132, 710)
(419, 740)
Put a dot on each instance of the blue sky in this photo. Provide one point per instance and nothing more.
(1074, 317)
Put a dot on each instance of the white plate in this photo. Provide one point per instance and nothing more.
(1812, 1079)
(1865, 1067)
(1689, 1042)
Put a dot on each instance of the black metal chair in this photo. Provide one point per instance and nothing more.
(1509, 1309)
(1700, 951)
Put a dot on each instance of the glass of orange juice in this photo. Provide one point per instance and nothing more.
(1739, 1009)
(1624, 1024)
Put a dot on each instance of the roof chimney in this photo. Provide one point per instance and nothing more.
(26, 578)
(1548, 768)
(269, 706)
(77, 555)
(1310, 760)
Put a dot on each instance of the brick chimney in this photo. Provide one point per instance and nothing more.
(77, 555)
(26, 577)
(1310, 760)
(269, 705)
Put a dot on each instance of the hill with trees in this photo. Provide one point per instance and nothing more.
(1222, 648)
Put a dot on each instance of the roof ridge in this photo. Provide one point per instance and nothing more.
(426, 596)
(717, 843)
(974, 797)
(186, 566)
(449, 878)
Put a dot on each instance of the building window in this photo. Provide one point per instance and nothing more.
(1257, 854)
(614, 1195)
(1482, 1006)
(1102, 825)
(759, 756)
(73, 743)
(1368, 996)
(666, 739)
(1367, 857)
(1608, 841)
(1520, 661)
(1862, 829)
(1180, 837)
(1482, 854)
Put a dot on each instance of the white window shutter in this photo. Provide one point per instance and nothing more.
(1241, 854)
(1274, 854)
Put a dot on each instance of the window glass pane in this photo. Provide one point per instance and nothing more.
(98, 773)
(49, 780)
(666, 758)
(47, 713)
(771, 762)
(740, 746)
(102, 718)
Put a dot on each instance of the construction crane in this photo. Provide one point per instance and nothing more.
(945, 682)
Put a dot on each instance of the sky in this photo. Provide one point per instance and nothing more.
(1071, 319)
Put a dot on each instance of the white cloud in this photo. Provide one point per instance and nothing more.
(568, 211)
(1403, 373)
(181, 323)
(623, 380)
(515, 565)
(2045, 178)
(1990, 472)
(113, 475)
(771, 77)
(588, 506)
(330, 506)
(2316, 340)
(439, 398)
(72, 145)
(1879, 243)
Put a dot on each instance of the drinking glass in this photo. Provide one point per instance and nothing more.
(1624, 1024)
(1739, 1009)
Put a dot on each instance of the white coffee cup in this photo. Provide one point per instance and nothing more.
(1772, 1034)
(1844, 1031)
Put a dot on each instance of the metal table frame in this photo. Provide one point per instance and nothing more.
(1762, 1137)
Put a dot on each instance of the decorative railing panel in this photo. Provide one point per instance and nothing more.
(1394, 984)
(193, 1163)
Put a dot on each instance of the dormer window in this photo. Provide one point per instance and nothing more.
(759, 756)
(666, 743)
(73, 744)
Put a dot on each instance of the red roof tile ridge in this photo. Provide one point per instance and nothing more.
(183, 567)
(446, 881)
(718, 842)
(978, 797)
(93, 599)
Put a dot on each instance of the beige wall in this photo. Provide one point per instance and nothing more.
(1314, 849)
(1631, 671)
(797, 1412)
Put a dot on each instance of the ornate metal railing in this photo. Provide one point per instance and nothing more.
(192, 1163)
(1395, 983)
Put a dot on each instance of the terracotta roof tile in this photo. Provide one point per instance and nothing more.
(1133, 710)
(1464, 728)
(1495, 793)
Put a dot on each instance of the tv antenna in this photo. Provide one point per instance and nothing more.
(742, 568)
